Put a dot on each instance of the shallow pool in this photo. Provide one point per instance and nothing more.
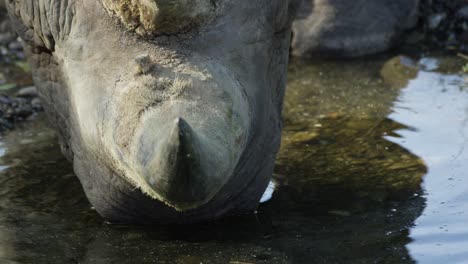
(373, 169)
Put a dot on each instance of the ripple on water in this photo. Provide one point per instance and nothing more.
(368, 173)
(436, 106)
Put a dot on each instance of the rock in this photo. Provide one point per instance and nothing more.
(5, 124)
(346, 29)
(463, 12)
(435, 20)
(6, 37)
(463, 37)
(15, 45)
(4, 100)
(20, 108)
(24, 111)
(36, 104)
(414, 38)
(25, 103)
(398, 71)
(29, 91)
(445, 23)
(302, 137)
(3, 51)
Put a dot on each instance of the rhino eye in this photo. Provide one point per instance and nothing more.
(161, 17)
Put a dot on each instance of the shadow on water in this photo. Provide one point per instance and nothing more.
(347, 189)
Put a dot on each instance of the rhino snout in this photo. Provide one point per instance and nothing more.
(179, 136)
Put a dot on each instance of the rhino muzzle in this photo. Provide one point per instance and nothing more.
(177, 133)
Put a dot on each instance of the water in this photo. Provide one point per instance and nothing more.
(441, 122)
(372, 170)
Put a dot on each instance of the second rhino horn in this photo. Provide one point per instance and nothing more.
(161, 17)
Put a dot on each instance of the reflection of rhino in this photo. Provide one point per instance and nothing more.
(169, 110)
(344, 28)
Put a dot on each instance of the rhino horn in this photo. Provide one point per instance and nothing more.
(181, 173)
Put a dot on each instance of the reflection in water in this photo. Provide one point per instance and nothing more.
(437, 107)
(336, 162)
(347, 189)
(334, 137)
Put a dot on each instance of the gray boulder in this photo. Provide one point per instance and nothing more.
(343, 28)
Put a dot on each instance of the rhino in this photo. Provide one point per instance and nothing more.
(347, 29)
(169, 110)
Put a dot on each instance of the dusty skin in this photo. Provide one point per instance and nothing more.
(163, 122)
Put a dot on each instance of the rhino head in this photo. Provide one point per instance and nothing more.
(168, 109)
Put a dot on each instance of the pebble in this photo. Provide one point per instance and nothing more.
(36, 104)
(446, 22)
(29, 91)
(435, 20)
(15, 45)
(463, 12)
(3, 51)
(6, 38)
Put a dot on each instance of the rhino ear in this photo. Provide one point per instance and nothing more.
(161, 17)
(41, 23)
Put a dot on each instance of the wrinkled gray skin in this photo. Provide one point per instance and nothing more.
(345, 28)
(168, 116)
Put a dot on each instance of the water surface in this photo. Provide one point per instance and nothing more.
(372, 170)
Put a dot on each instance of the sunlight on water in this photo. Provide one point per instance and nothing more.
(372, 169)
(436, 106)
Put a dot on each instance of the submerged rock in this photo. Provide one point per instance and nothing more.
(398, 71)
